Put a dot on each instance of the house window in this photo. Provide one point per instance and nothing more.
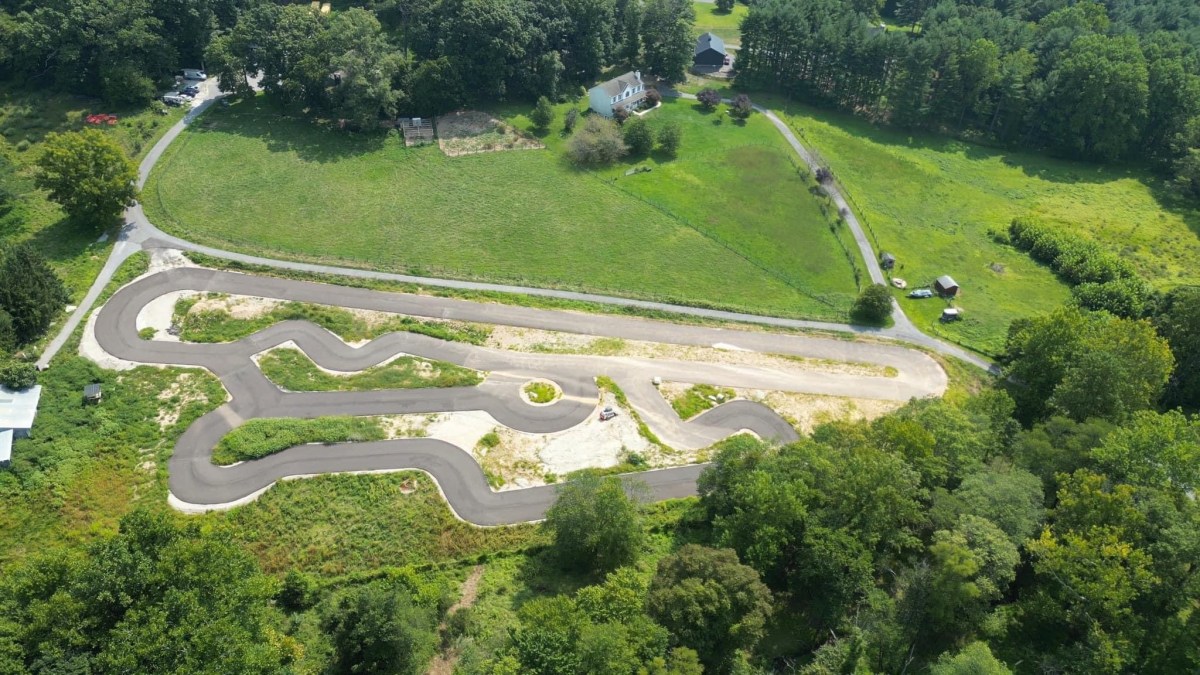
(614, 100)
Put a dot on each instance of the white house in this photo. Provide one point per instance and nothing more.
(625, 91)
(17, 410)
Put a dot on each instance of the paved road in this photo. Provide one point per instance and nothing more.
(195, 480)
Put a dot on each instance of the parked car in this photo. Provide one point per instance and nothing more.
(194, 74)
(607, 414)
(921, 293)
(191, 90)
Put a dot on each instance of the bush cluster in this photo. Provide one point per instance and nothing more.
(1101, 280)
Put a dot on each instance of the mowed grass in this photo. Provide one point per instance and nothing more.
(258, 438)
(743, 186)
(249, 179)
(933, 202)
(724, 25)
(292, 370)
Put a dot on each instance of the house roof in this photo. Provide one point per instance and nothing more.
(18, 408)
(709, 41)
(620, 83)
(946, 282)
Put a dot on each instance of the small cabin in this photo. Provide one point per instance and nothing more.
(951, 314)
(92, 393)
(945, 286)
(887, 261)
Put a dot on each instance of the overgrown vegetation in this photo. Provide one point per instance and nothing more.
(698, 398)
(541, 392)
(260, 437)
(218, 325)
(292, 370)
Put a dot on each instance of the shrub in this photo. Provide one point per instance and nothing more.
(620, 115)
(742, 107)
(18, 374)
(669, 137)
(543, 113)
(709, 98)
(1126, 298)
(1076, 260)
(725, 6)
(653, 98)
(824, 175)
(873, 306)
(639, 137)
(569, 120)
(598, 143)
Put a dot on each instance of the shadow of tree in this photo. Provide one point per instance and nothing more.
(286, 129)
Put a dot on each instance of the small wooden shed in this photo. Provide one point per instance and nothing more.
(887, 261)
(92, 393)
(945, 286)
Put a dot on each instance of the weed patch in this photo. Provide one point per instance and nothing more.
(265, 436)
(292, 370)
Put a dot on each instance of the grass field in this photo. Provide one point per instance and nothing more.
(722, 24)
(26, 117)
(249, 179)
(934, 201)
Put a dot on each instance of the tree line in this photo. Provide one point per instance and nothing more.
(1072, 77)
(361, 64)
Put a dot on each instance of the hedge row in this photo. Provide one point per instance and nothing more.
(1099, 279)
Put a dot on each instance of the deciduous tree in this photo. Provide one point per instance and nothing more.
(596, 523)
(89, 174)
(710, 602)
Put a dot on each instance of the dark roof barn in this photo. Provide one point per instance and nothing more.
(710, 51)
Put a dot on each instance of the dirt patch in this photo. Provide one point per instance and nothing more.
(237, 306)
(806, 411)
(552, 342)
(443, 663)
(174, 398)
(470, 132)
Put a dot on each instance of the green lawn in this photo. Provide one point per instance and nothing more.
(722, 24)
(292, 370)
(696, 230)
(934, 201)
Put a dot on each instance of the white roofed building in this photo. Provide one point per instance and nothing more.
(17, 410)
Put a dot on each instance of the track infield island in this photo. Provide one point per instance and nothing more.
(730, 223)
(197, 482)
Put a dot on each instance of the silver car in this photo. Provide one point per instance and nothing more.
(921, 293)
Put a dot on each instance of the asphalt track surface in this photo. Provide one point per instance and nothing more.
(195, 480)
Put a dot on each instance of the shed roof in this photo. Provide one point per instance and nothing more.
(709, 41)
(18, 408)
(91, 391)
(620, 83)
(887, 256)
(946, 282)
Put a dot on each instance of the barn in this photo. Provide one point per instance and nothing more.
(710, 51)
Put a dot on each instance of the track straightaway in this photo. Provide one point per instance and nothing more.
(195, 480)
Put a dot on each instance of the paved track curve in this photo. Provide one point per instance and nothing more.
(195, 480)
